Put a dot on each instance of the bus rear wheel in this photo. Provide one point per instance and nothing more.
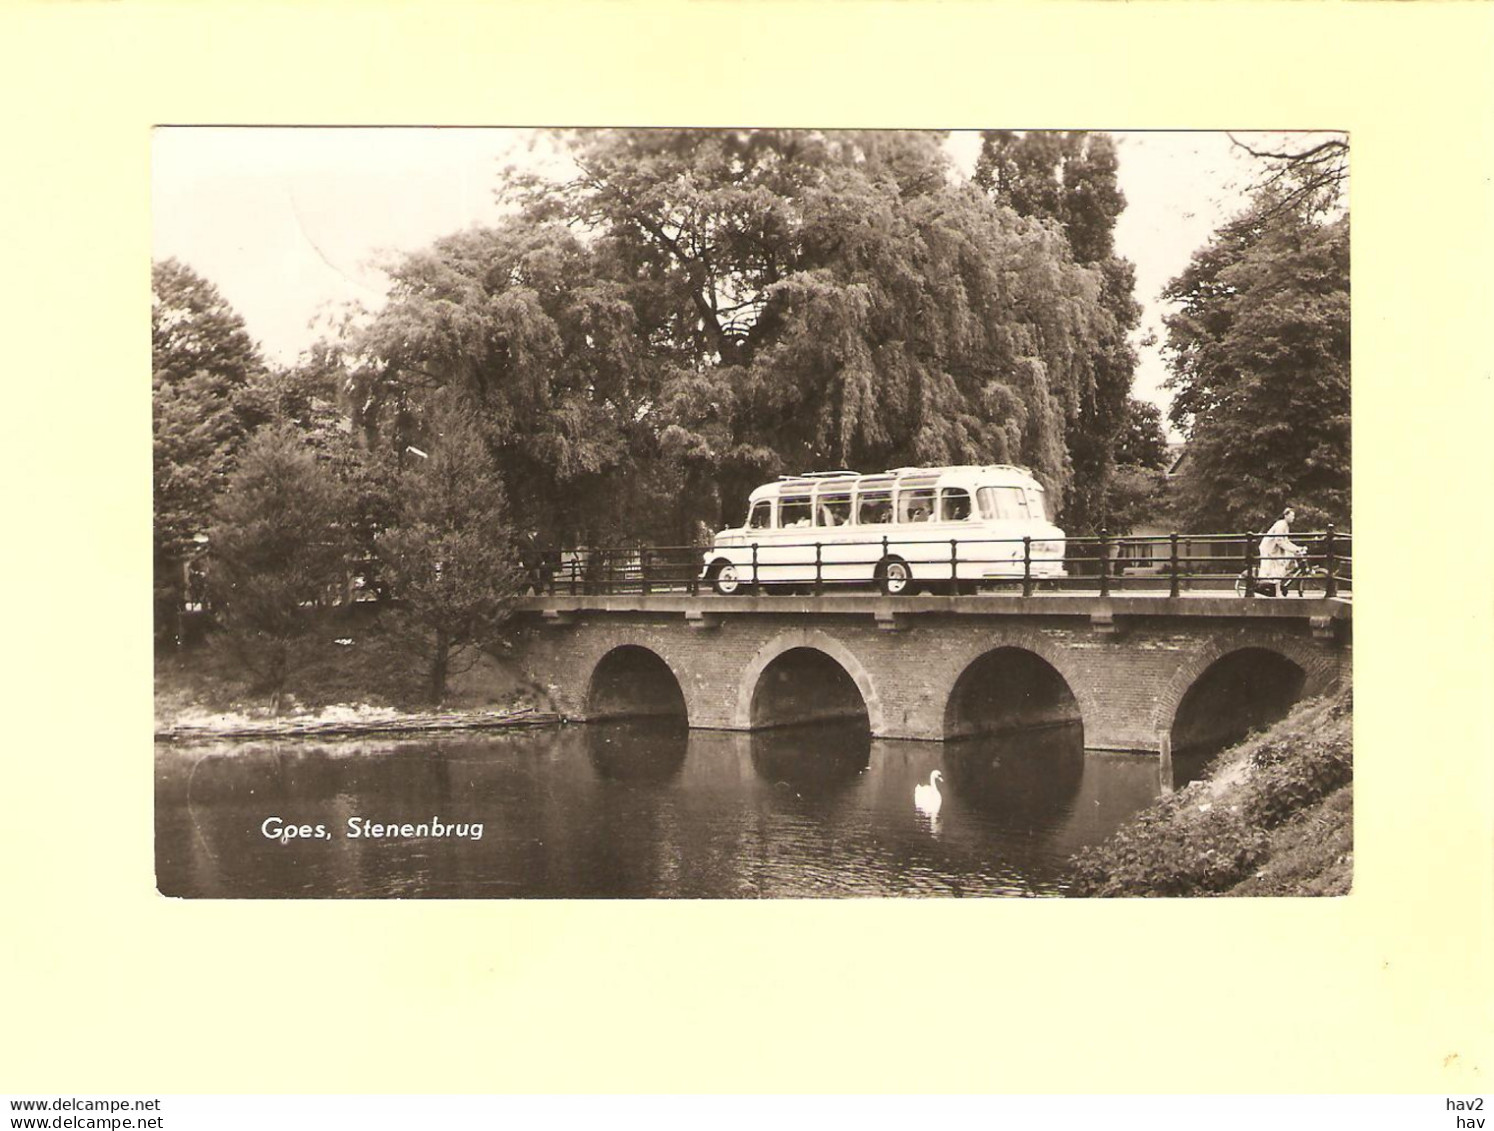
(894, 577)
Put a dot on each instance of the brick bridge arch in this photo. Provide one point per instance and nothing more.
(632, 680)
(1319, 669)
(817, 641)
(571, 691)
(1023, 639)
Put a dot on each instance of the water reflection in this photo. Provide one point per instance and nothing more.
(641, 809)
(638, 750)
(1027, 778)
(815, 760)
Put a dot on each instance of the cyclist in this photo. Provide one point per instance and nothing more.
(1278, 550)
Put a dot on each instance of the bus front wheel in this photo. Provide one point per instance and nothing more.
(894, 577)
(725, 579)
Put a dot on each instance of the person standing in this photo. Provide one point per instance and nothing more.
(1278, 550)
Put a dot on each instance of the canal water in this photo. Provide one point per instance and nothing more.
(636, 810)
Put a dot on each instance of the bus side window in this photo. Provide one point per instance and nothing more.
(874, 508)
(793, 510)
(761, 517)
(835, 510)
(954, 503)
(916, 505)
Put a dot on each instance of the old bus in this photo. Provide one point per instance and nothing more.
(943, 528)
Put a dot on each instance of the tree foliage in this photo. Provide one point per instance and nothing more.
(194, 330)
(1138, 491)
(696, 310)
(1142, 441)
(450, 557)
(1306, 172)
(278, 550)
(518, 324)
(202, 361)
(1259, 350)
(1069, 177)
(1070, 180)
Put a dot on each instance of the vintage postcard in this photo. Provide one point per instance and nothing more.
(747, 548)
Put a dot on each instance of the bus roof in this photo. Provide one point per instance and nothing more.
(809, 480)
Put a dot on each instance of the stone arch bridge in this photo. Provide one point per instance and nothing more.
(1144, 673)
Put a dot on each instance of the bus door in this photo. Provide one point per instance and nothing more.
(1005, 513)
(783, 555)
(759, 530)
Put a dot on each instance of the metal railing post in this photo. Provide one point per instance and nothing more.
(1104, 562)
(1173, 565)
(954, 567)
(643, 578)
(1331, 585)
(1027, 565)
(754, 564)
(1250, 545)
(819, 574)
(692, 584)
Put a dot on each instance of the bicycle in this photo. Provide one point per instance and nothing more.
(1299, 576)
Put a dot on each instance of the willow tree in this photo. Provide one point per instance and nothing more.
(1070, 179)
(694, 310)
(540, 348)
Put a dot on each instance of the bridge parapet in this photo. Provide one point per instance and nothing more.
(706, 611)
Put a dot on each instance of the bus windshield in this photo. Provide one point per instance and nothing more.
(1003, 503)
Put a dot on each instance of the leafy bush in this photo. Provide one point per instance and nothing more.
(1289, 784)
(1181, 847)
(1263, 798)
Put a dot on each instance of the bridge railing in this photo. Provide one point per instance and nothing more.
(1167, 563)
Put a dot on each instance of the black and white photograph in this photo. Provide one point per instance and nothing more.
(655, 513)
(646, 513)
(713, 562)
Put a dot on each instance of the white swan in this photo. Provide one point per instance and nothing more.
(927, 798)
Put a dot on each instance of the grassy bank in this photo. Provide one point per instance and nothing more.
(1273, 816)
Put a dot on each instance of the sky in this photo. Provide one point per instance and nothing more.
(292, 224)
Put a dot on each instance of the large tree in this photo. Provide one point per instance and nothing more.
(279, 552)
(1071, 179)
(524, 328)
(450, 557)
(1304, 171)
(202, 361)
(697, 310)
(1259, 350)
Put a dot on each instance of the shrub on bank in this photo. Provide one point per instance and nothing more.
(1251, 827)
(1182, 846)
(1298, 770)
